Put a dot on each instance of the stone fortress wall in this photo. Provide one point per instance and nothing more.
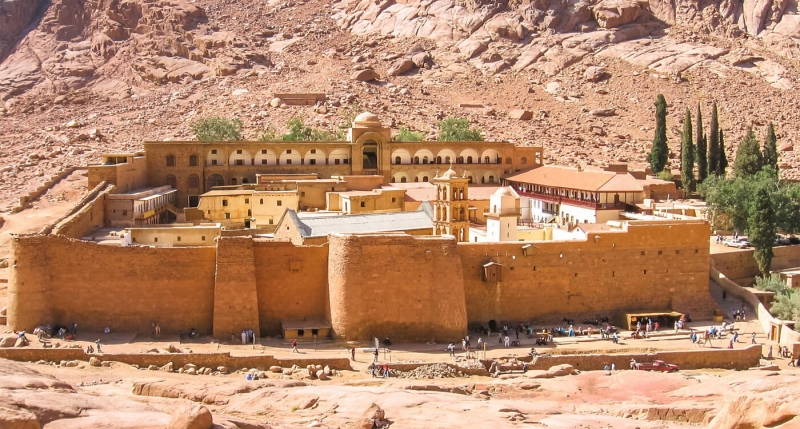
(385, 285)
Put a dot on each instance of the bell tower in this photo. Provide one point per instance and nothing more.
(451, 206)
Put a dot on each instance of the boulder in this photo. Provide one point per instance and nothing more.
(275, 368)
(190, 371)
(222, 369)
(603, 112)
(18, 419)
(167, 367)
(365, 75)
(8, 341)
(786, 147)
(275, 102)
(93, 361)
(153, 367)
(373, 417)
(420, 58)
(561, 370)
(523, 115)
(21, 342)
(400, 66)
(71, 364)
(189, 366)
(613, 13)
(191, 416)
(326, 369)
(288, 371)
(595, 74)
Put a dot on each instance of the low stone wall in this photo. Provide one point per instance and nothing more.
(25, 199)
(737, 359)
(211, 360)
(405, 367)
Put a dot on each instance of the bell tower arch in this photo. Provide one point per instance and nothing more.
(370, 141)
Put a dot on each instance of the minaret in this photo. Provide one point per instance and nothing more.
(451, 206)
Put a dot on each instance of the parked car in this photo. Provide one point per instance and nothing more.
(657, 365)
(782, 241)
(740, 243)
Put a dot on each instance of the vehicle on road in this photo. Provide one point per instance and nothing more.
(656, 365)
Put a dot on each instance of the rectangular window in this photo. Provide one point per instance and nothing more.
(302, 194)
(239, 162)
(203, 238)
(155, 240)
(394, 200)
(213, 162)
(124, 212)
(224, 203)
(280, 203)
(313, 151)
(270, 221)
(363, 204)
(213, 151)
(179, 238)
(227, 215)
(263, 151)
(249, 212)
(288, 162)
(261, 201)
(336, 161)
(312, 161)
(239, 152)
(247, 200)
(288, 151)
(264, 161)
(346, 161)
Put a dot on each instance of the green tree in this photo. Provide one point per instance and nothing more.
(298, 131)
(787, 307)
(457, 129)
(713, 142)
(771, 149)
(748, 160)
(687, 153)
(217, 129)
(407, 135)
(701, 148)
(772, 283)
(659, 153)
(722, 158)
(269, 135)
(762, 229)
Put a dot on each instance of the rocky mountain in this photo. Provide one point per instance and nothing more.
(80, 77)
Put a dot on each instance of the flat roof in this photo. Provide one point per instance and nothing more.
(321, 226)
(224, 192)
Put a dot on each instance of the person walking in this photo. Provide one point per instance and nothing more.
(375, 353)
(769, 353)
(451, 348)
(74, 328)
(294, 346)
(353, 354)
(753, 338)
(97, 343)
(463, 345)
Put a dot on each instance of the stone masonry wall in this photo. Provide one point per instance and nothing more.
(658, 267)
(396, 286)
(235, 296)
(58, 280)
(741, 267)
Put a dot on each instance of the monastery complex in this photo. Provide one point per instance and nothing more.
(364, 238)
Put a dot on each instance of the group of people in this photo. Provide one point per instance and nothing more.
(739, 315)
(248, 336)
(377, 370)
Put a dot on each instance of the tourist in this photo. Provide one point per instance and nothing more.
(107, 330)
(463, 345)
(613, 367)
(736, 337)
(89, 349)
(517, 332)
(193, 333)
(156, 330)
(500, 337)
(655, 326)
(244, 337)
(589, 332)
(633, 363)
(61, 333)
(385, 371)
(74, 328)
(571, 332)
(375, 353)
(353, 354)
(452, 349)
(791, 360)
(372, 369)
(97, 343)
(507, 342)
(294, 346)
(524, 367)
(730, 344)
(607, 369)
(616, 338)
(480, 343)
(753, 338)
(769, 353)
(676, 326)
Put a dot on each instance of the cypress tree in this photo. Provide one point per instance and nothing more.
(713, 147)
(659, 153)
(771, 148)
(748, 160)
(761, 229)
(702, 150)
(687, 153)
(722, 160)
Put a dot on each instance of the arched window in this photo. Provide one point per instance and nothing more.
(193, 161)
(424, 159)
(438, 159)
(416, 179)
(447, 160)
(523, 160)
(469, 160)
(215, 180)
(233, 181)
(194, 181)
(416, 160)
(171, 181)
(460, 160)
(170, 160)
(486, 160)
(491, 179)
(397, 160)
(424, 178)
(393, 181)
(402, 180)
(470, 179)
(245, 180)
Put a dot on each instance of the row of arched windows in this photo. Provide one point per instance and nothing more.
(446, 160)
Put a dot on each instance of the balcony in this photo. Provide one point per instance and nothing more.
(556, 199)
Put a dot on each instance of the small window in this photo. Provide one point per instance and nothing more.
(696, 251)
(288, 162)
(247, 200)
(288, 151)
(346, 161)
(209, 211)
(193, 161)
(227, 215)
(645, 271)
(249, 212)
(239, 162)
(124, 212)
(677, 252)
(213, 151)
(263, 161)
(238, 151)
(302, 194)
(394, 200)
(313, 151)
(643, 253)
(280, 203)
(660, 252)
(179, 238)
(170, 160)
(261, 201)
(363, 204)
(224, 203)
(336, 161)
(263, 151)
(508, 160)
(213, 162)
(155, 240)
(203, 238)
(270, 221)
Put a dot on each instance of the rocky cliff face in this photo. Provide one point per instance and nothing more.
(15, 15)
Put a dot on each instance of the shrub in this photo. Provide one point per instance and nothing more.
(772, 283)
(299, 132)
(217, 129)
(665, 175)
(407, 135)
(269, 135)
(457, 129)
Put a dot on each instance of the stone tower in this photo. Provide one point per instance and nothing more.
(501, 220)
(450, 209)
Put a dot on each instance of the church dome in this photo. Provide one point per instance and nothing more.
(503, 192)
(449, 174)
(367, 120)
